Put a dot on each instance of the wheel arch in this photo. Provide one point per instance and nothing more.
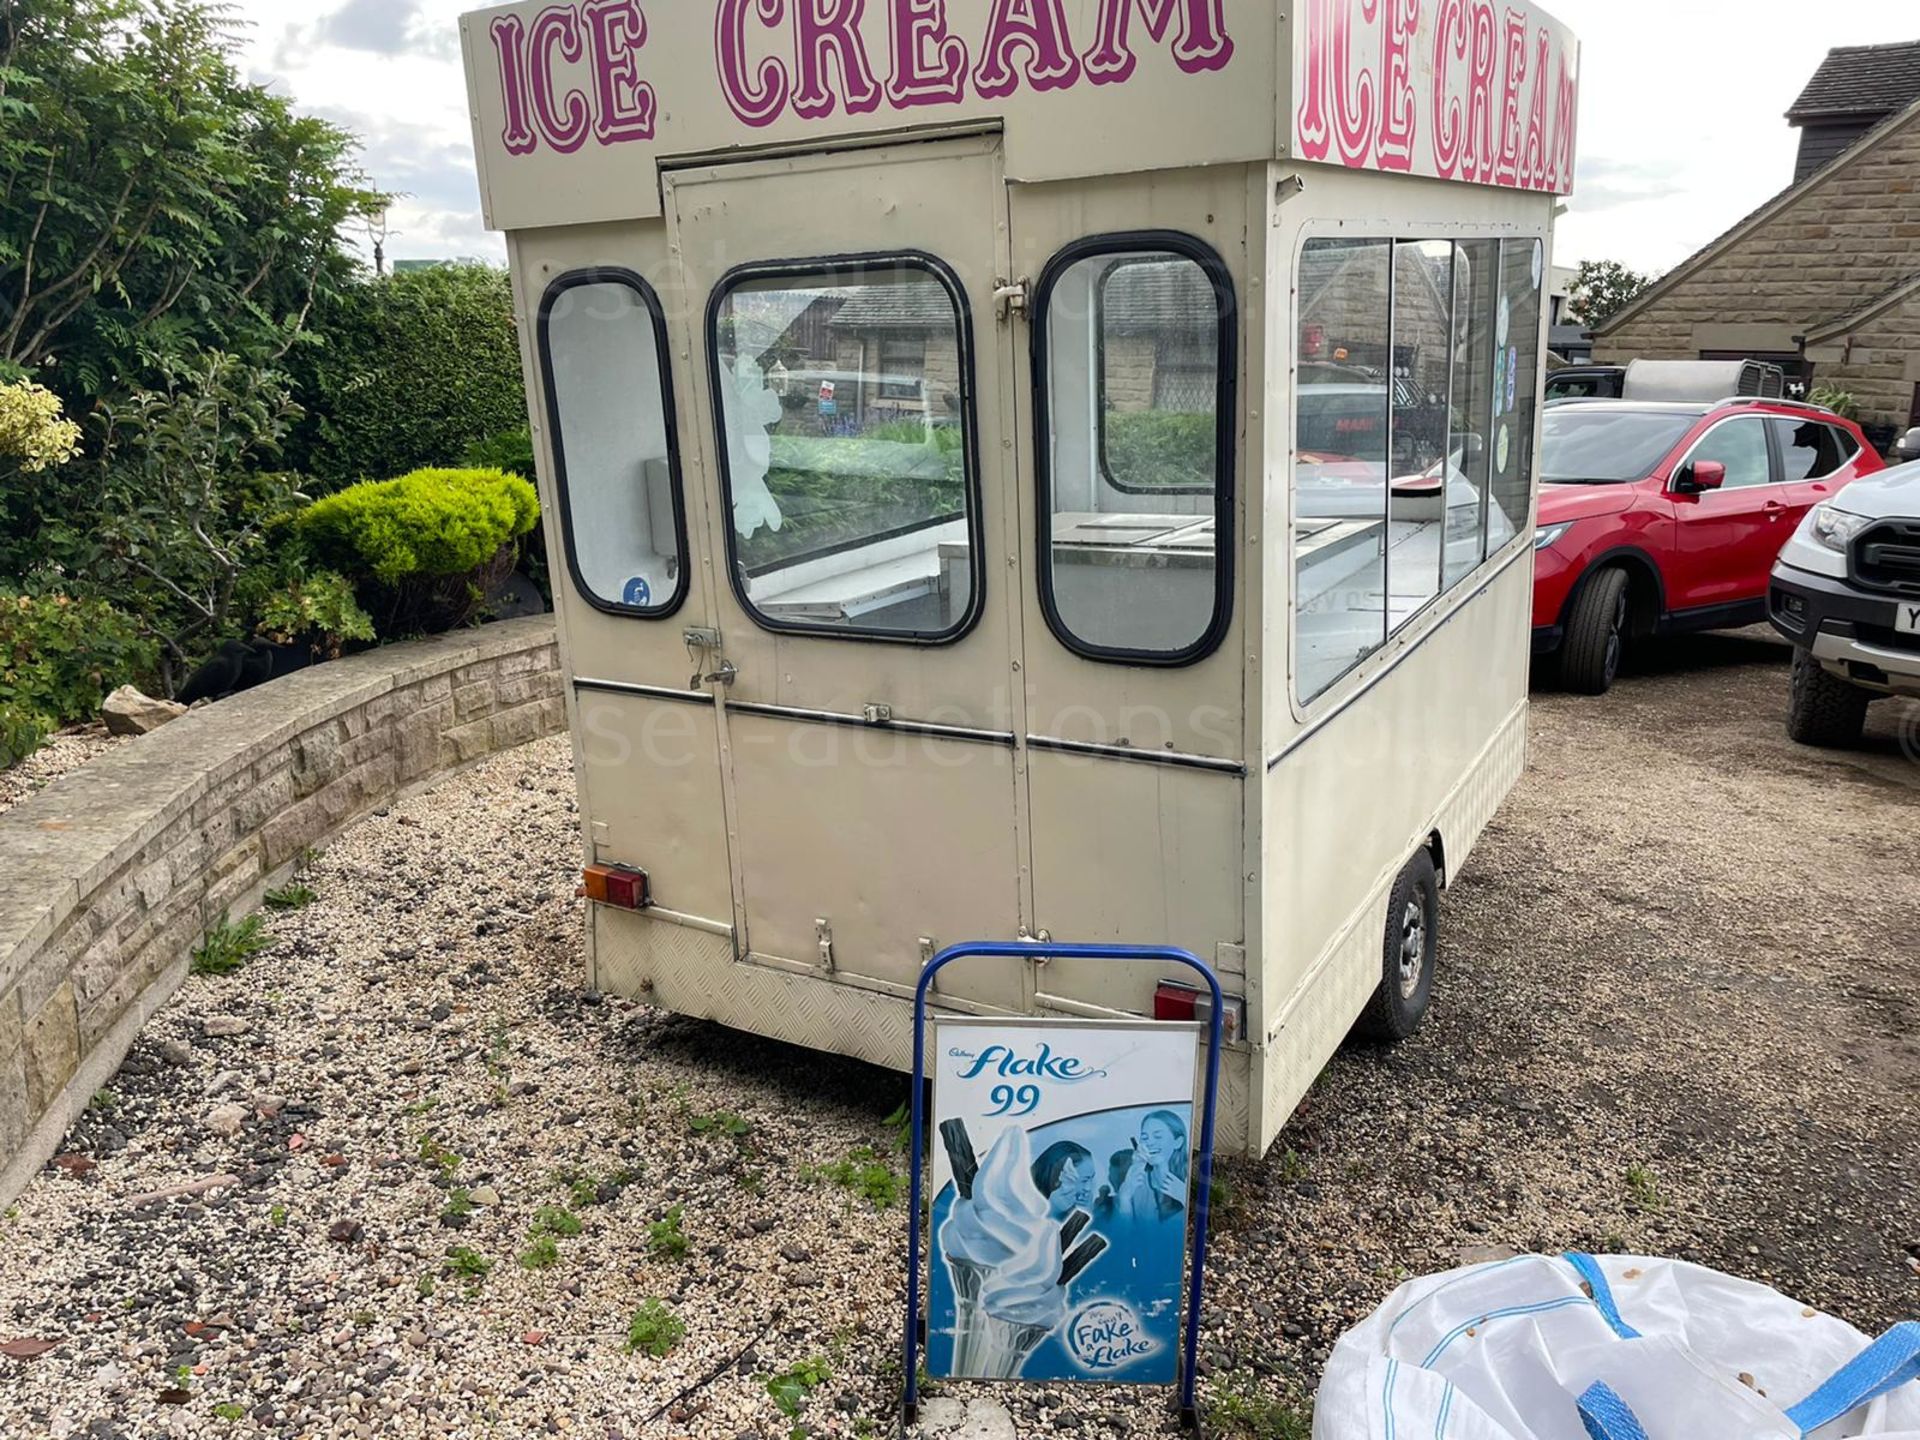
(1646, 586)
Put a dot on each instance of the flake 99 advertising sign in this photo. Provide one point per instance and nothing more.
(1062, 1171)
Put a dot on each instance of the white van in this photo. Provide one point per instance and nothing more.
(953, 539)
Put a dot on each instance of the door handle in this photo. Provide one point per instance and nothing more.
(725, 675)
(1773, 510)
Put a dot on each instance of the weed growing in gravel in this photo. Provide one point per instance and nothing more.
(865, 1174)
(720, 1122)
(665, 1237)
(541, 1253)
(584, 1190)
(104, 1102)
(226, 947)
(229, 1410)
(291, 896)
(438, 1156)
(655, 1329)
(467, 1263)
(1293, 1167)
(790, 1388)
(277, 1216)
(459, 1205)
(1235, 1404)
(900, 1122)
(424, 1287)
(556, 1220)
(1643, 1188)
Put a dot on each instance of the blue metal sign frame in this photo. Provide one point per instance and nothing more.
(1048, 950)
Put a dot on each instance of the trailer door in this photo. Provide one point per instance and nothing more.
(852, 424)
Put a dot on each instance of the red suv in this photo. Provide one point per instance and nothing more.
(1659, 518)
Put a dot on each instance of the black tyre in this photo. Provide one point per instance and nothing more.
(1408, 952)
(1596, 633)
(1823, 709)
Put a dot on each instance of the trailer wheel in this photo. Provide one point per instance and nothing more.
(1823, 709)
(1411, 945)
(1596, 633)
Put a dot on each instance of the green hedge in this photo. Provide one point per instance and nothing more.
(408, 370)
(423, 548)
(1161, 448)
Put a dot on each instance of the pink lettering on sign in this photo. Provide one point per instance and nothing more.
(1201, 45)
(538, 109)
(929, 65)
(1035, 26)
(1498, 104)
(829, 31)
(760, 99)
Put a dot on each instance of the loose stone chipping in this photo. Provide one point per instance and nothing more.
(418, 1072)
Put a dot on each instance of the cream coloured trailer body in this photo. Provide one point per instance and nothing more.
(1030, 468)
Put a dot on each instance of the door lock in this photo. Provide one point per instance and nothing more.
(725, 675)
(1010, 298)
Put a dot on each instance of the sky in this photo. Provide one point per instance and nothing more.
(1682, 125)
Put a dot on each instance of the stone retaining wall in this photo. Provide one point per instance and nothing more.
(110, 876)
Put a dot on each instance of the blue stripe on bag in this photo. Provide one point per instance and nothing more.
(1596, 1279)
(1607, 1416)
(1888, 1363)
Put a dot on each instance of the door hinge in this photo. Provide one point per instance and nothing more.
(823, 936)
(1010, 298)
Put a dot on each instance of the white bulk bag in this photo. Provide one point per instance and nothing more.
(1612, 1347)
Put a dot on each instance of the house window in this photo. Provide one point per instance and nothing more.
(1134, 373)
(603, 354)
(850, 513)
(903, 367)
(1415, 397)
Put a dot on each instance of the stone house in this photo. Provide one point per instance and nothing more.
(1824, 279)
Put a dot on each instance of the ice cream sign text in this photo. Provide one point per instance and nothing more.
(1018, 1092)
(811, 57)
(1478, 90)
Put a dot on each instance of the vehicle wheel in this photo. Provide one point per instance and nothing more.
(1596, 633)
(1412, 943)
(1823, 709)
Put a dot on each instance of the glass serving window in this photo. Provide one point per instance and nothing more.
(846, 443)
(1135, 382)
(610, 414)
(1415, 396)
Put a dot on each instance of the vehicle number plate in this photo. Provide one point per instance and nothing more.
(1906, 618)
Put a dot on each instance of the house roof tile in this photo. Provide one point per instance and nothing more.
(1861, 80)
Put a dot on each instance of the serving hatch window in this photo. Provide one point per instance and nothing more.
(610, 415)
(1415, 393)
(1134, 387)
(846, 447)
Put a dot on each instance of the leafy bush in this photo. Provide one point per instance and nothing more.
(1841, 402)
(320, 608)
(58, 659)
(510, 450)
(424, 547)
(409, 370)
(1161, 448)
(34, 435)
(193, 510)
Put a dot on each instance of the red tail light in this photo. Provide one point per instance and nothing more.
(616, 885)
(1174, 1001)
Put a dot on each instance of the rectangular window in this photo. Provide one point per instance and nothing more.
(848, 483)
(1415, 394)
(1343, 416)
(1134, 391)
(610, 415)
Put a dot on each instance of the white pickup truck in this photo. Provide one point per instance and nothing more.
(1846, 592)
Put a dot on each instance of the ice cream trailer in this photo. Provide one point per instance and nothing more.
(1033, 468)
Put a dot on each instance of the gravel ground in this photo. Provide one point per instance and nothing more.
(64, 751)
(1668, 1022)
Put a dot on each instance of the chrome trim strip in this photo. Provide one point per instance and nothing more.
(652, 692)
(1176, 758)
(859, 722)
